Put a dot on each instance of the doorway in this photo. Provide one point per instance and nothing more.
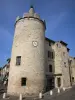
(59, 81)
(50, 83)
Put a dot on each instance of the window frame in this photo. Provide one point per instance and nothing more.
(18, 60)
(50, 55)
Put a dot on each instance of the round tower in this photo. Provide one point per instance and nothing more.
(27, 67)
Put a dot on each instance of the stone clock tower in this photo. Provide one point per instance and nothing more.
(27, 67)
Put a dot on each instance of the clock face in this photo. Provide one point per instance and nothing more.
(35, 43)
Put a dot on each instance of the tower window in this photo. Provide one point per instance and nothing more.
(23, 81)
(18, 60)
(50, 68)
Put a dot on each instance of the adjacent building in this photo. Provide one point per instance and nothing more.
(57, 66)
(4, 71)
(72, 70)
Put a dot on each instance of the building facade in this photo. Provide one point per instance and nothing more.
(57, 66)
(38, 64)
(72, 70)
(4, 71)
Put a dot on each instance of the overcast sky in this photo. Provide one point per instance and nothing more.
(59, 16)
